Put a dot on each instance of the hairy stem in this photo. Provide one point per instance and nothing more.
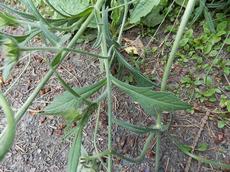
(109, 100)
(179, 34)
(7, 137)
(167, 70)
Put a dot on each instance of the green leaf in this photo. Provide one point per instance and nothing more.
(186, 148)
(154, 17)
(19, 13)
(7, 20)
(31, 7)
(75, 150)
(213, 53)
(210, 92)
(116, 14)
(11, 53)
(141, 79)
(183, 42)
(134, 128)
(182, 3)
(67, 104)
(227, 41)
(222, 26)
(198, 11)
(209, 20)
(221, 123)
(208, 81)
(214, 163)
(143, 8)
(57, 59)
(202, 147)
(69, 7)
(228, 105)
(7, 137)
(152, 102)
(18, 38)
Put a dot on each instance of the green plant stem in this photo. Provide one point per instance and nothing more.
(95, 135)
(99, 155)
(158, 143)
(109, 99)
(113, 152)
(64, 49)
(119, 6)
(70, 90)
(143, 152)
(7, 137)
(167, 70)
(44, 80)
(179, 34)
(123, 21)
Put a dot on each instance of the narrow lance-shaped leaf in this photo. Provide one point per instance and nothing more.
(199, 10)
(7, 20)
(11, 53)
(200, 159)
(152, 102)
(209, 20)
(18, 13)
(67, 102)
(75, 150)
(141, 79)
(134, 128)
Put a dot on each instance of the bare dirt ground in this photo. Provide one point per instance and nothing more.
(39, 146)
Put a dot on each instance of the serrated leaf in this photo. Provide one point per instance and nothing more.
(151, 101)
(143, 8)
(68, 103)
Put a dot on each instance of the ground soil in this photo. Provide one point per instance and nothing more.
(39, 146)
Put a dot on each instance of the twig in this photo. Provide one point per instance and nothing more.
(203, 122)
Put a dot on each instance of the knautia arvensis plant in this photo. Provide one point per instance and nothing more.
(75, 104)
